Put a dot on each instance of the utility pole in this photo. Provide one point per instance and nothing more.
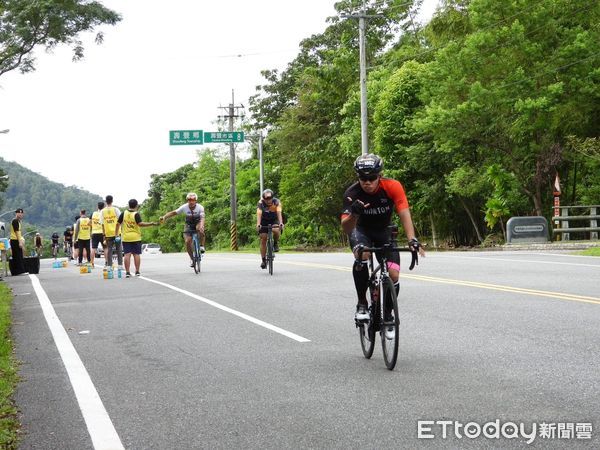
(261, 162)
(232, 110)
(362, 16)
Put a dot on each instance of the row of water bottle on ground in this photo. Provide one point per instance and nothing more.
(108, 273)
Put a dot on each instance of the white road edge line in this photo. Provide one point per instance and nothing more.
(231, 311)
(100, 427)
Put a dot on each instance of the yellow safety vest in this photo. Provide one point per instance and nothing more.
(96, 225)
(131, 230)
(110, 221)
(85, 228)
(13, 233)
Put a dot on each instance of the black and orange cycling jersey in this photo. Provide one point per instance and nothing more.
(378, 214)
(269, 212)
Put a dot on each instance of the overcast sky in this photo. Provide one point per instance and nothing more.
(103, 123)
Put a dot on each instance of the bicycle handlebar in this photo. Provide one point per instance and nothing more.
(389, 248)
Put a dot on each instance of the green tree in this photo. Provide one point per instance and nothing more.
(526, 76)
(27, 24)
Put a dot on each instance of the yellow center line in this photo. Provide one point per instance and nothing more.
(496, 287)
(475, 284)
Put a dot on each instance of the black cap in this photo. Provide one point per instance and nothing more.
(19, 210)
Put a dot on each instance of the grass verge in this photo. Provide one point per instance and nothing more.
(593, 251)
(9, 423)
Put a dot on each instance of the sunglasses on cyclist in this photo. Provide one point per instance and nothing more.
(267, 198)
(368, 177)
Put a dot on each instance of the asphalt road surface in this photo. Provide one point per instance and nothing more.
(235, 358)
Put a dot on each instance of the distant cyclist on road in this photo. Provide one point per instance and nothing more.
(68, 242)
(194, 220)
(38, 244)
(55, 244)
(268, 212)
(367, 212)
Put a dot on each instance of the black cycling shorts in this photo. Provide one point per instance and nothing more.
(370, 238)
(189, 228)
(96, 239)
(264, 227)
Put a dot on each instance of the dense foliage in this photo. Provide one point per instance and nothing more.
(475, 113)
(27, 24)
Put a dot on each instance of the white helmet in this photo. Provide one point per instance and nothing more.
(191, 196)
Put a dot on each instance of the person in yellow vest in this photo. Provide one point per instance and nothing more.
(109, 217)
(129, 224)
(83, 235)
(97, 234)
(17, 242)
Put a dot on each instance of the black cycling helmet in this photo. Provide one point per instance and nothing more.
(368, 164)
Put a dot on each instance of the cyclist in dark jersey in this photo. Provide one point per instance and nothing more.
(368, 207)
(55, 237)
(268, 212)
(68, 240)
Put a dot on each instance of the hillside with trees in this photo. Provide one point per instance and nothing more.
(49, 206)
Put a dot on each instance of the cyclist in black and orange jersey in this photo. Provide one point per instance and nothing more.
(268, 212)
(97, 232)
(367, 212)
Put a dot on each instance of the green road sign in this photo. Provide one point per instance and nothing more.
(186, 137)
(219, 137)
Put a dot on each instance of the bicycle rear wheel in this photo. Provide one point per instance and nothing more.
(366, 331)
(390, 329)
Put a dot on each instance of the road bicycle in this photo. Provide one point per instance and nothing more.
(197, 254)
(69, 250)
(55, 250)
(270, 247)
(384, 320)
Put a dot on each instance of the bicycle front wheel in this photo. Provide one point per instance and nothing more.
(196, 257)
(391, 323)
(197, 262)
(366, 331)
(270, 253)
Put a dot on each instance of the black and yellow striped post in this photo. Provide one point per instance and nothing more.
(233, 233)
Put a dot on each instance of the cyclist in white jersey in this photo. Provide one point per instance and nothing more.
(194, 221)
